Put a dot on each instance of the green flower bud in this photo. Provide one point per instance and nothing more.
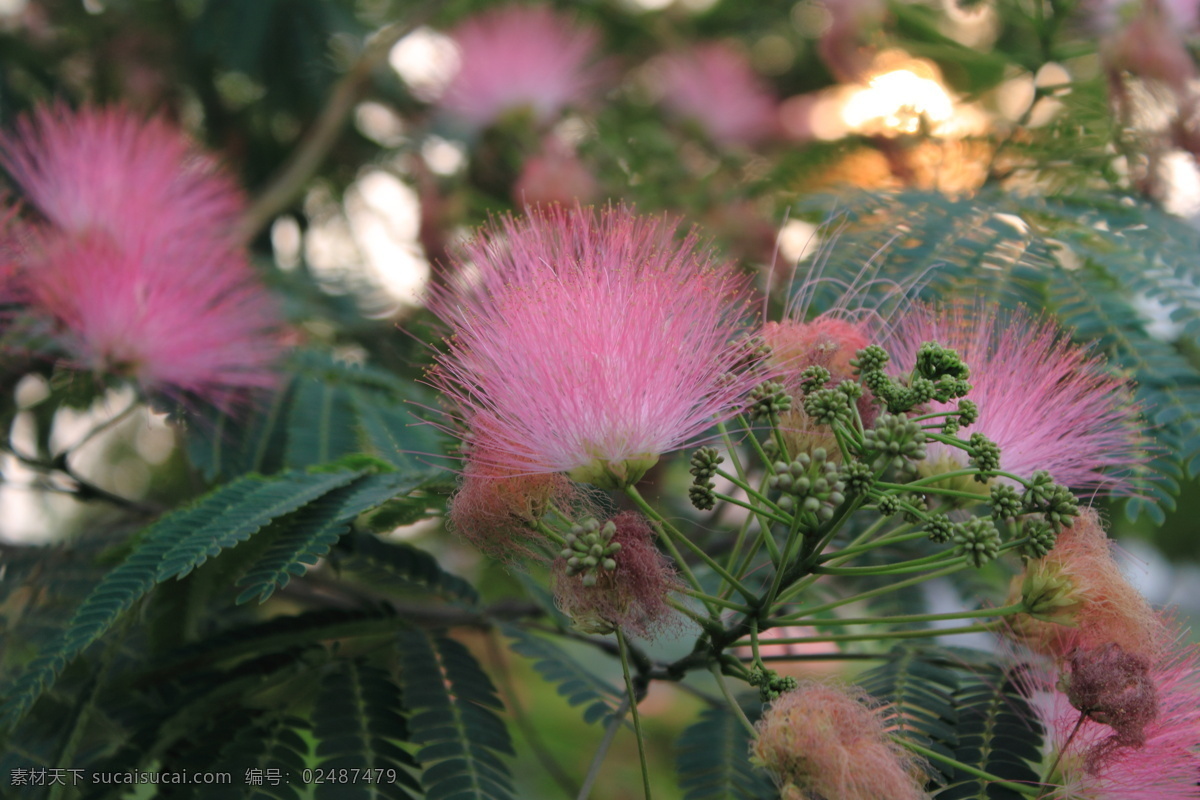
(939, 528)
(977, 539)
(813, 378)
(1005, 501)
(985, 456)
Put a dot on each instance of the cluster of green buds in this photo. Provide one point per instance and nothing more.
(1053, 501)
(704, 467)
(895, 441)
(770, 684)
(939, 374)
(828, 406)
(590, 550)
(811, 483)
(768, 400)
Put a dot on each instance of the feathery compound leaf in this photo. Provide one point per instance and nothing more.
(306, 536)
(998, 733)
(329, 409)
(359, 726)
(245, 513)
(171, 547)
(451, 702)
(921, 696)
(714, 763)
(319, 428)
(389, 566)
(265, 757)
(570, 680)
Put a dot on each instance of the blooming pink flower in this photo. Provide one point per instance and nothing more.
(713, 84)
(517, 57)
(1082, 599)
(1049, 404)
(1099, 763)
(139, 181)
(134, 261)
(822, 741)
(631, 596)
(594, 342)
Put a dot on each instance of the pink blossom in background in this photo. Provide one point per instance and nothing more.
(595, 341)
(517, 57)
(140, 181)
(1096, 765)
(133, 261)
(714, 85)
(554, 175)
(1049, 404)
(830, 341)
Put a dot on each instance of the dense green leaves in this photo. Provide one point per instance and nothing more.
(919, 692)
(172, 547)
(452, 706)
(713, 760)
(305, 537)
(998, 733)
(326, 409)
(393, 567)
(572, 681)
(359, 726)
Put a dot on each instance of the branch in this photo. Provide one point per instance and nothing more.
(304, 161)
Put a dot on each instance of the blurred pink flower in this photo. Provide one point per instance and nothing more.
(134, 260)
(1049, 404)
(1099, 763)
(593, 340)
(139, 181)
(713, 84)
(517, 57)
(554, 175)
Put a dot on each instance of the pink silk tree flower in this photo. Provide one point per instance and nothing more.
(631, 593)
(825, 741)
(714, 85)
(140, 181)
(1049, 404)
(521, 57)
(133, 261)
(1098, 760)
(1080, 600)
(593, 342)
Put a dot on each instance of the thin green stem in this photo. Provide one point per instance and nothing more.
(892, 587)
(633, 709)
(1032, 791)
(756, 509)
(610, 732)
(931, 489)
(923, 633)
(900, 568)
(720, 601)
(866, 548)
(1003, 611)
(670, 532)
(733, 704)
